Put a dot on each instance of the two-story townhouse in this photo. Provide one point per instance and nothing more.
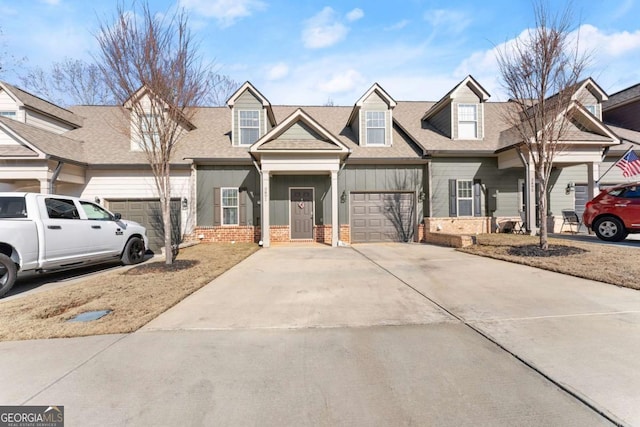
(380, 170)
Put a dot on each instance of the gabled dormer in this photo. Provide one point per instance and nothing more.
(590, 96)
(151, 117)
(251, 115)
(460, 113)
(24, 107)
(372, 118)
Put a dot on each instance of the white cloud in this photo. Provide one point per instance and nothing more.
(355, 14)
(398, 25)
(226, 12)
(277, 71)
(343, 81)
(450, 20)
(323, 30)
(609, 45)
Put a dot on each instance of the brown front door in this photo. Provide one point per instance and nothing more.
(301, 213)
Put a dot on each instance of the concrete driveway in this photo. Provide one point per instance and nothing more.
(371, 335)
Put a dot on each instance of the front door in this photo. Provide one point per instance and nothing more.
(301, 200)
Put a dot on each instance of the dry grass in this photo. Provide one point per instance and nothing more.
(604, 263)
(135, 296)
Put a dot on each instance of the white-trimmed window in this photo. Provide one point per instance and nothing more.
(464, 193)
(229, 206)
(150, 133)
(592, 109)
(10, 114)
(249, 126)
(376, 129)
(467, 121)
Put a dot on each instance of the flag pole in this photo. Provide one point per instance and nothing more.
(615, 163)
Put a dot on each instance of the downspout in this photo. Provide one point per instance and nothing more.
(55, 175)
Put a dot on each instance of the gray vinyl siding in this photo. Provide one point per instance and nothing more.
(557, 189)
(375, 103)
(300, 131)
(491, 178)
(586, 98)
(246, 101)
(279, 203)
(210, 177)
(465, 95)
(380, 178)
(442, 121)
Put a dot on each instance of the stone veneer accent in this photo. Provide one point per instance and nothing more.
(459, 225)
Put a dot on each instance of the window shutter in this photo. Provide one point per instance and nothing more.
(242, 202)
(216, 206)
(477, 198)
(453, 198)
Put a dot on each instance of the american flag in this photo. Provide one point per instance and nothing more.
(630, 164)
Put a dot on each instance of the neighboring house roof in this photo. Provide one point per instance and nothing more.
(622, 97)
(51, 144)
(32, 102)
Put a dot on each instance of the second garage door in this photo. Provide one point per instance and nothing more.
(382, 217)
(148, 212)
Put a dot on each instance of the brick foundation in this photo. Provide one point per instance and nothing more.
(243, 234)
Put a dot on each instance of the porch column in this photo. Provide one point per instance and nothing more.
(335, 223)
(530, 194)
(45, 186)
(265, 209)
(593, 175)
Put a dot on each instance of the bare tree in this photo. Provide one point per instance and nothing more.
(7, 61)
(72, 81)
(540, 72)
(222, 87)
(150, 63)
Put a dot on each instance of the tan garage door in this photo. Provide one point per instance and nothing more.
(382, 217)
(149, 213)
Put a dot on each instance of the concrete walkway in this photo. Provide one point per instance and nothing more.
(371, 335)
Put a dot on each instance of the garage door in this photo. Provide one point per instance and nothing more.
(149, 213)
(382, 217)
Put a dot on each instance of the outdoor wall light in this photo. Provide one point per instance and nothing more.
(343, 197)
(570, 186)
(97, 200)
(185, 203)
(421, 196)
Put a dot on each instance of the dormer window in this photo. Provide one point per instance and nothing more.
(10, 114)
(375, 123)
(591, 108)
(467, 121)
(249, 126)
(150, 133)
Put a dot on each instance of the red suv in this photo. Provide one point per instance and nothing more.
(614, 213)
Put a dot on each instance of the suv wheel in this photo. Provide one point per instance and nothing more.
(610, 229)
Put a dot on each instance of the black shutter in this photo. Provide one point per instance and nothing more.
(453, 198)
(216, 206)
(477, 198)
(242, 207)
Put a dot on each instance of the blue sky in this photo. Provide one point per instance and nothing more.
(307, 52)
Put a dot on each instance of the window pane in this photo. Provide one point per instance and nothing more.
(375, 136)
(229, 197)
(464, 207)
(249, 118)
(248, 135)
(464, 188)
(467, 130)
(467, 112)
(230, 216)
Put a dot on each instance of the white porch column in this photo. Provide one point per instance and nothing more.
(45, 186)
(335, 223)
(593, 174)
(531, 197)
(265, 209)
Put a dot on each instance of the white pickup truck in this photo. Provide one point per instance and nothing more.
(44, 232)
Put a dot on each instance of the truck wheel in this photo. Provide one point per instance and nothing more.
(8, 274)
(133, 251)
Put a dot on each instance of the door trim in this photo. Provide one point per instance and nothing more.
(313, 212)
